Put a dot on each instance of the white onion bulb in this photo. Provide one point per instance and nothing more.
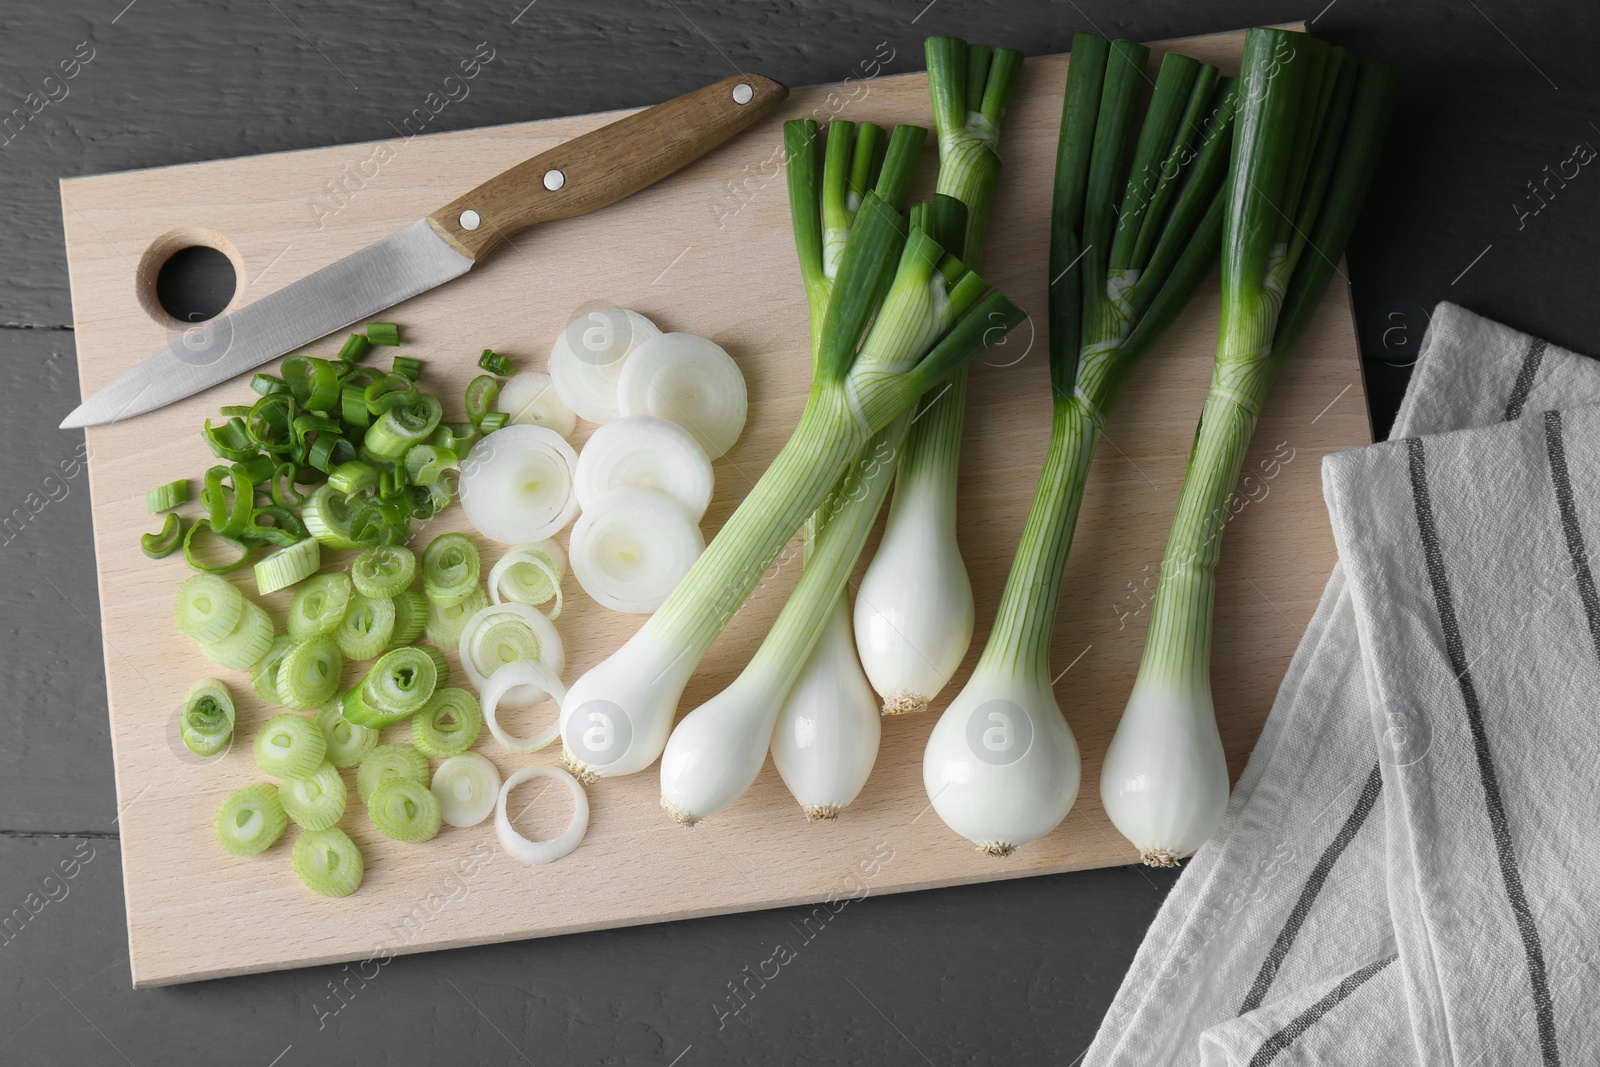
(647, 453)
(516, 484)
(690, 381)
(588, 356)
(631, 547)
(530, 399)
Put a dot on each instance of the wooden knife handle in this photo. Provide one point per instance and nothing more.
(604, 165)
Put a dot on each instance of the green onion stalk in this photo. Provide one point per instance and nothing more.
(616, 718)
(1130, 243)
(914, 610)
(1310, 126)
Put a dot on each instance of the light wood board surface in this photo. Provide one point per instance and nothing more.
(708, 251)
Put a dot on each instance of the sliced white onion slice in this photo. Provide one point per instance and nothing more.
(530, 574)
(690, 381)
(530, 399)
(632, 546)
(466, 787)
(516, 484)
(505, 633)
(588, 356)
(523, 674)
(647, 453)
(542, 851)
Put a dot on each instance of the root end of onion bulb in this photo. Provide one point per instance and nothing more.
(998, 849)
(577, 768)
(1159, 857)
(821, 812)
(682, 818)
(904, 703)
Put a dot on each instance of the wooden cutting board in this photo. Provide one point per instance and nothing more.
(707, 251)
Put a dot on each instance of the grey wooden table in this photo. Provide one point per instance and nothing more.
(1018, 972)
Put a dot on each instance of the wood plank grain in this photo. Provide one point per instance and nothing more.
(707, 250)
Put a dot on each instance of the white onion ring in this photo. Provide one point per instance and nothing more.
(516, 484)
(688, 380)
(588, 356)
(546, 557)
(530, 399)
(542, 851)
(648, 453)
(632, 547)
(524, 672)
(552, 653)
(468, 768)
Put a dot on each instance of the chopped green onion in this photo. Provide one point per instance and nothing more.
(327, 517)
(194, 546)
(405, 809)
(425, 463)
(387, 762)
(287, 566)
(284, 493)
(404, 365)
(403, 425)
(456, 436)
(264, 385)
(206, 719)
(309, 674)
(167, 497)
(448, 725)
(318, 606)
(353, 404)
(383, 571)
(383, 333)
(207, 608)
(288, 746)
(387, 391)
(494, 362)
(328, 863)
(347, 743)
(313, 382)
(410, 617)
(481, 394)
(367, 627)
(165, 541)
(447, 621)
(264, 672)
(315, 801)
(399, 684)
(441, 666)
(250, 639)
(350, 478)
(250, 820)
(271, 423)
(355, 348)
(494, 420)
(450, 569)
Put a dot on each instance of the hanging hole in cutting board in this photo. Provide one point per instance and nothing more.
(187, 277)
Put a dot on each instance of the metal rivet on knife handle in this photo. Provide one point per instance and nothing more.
(469, 219)
(607, 164)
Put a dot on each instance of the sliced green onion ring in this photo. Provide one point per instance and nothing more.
(411, 368)
(288, 746)
(446, 622)
(164, 542)
(208, 608)
(309, 675)
(448, 725)
(400, 683)
(264, 672)
(166, 497)
(541, 851)
(494, 362)
(316, 801)
(529, 574)
(403, 425)
(410, 617)
(466, 787)
(206, 720)
(352, 477)
(355, 348)
(319, 606)
(405, 809)
(288, 566)
(386, 762)
(194, 546)
(327, 517)
(499, 634)
(250, 640)
(481, 394)
(347, 743)
(522, 675)
(367, 627)
(250, 820)
(383, 333)
(383, 571)
(327, 862)
(450, 568)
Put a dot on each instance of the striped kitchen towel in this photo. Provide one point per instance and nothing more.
(1404, 874)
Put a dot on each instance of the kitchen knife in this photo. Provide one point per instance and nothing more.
(575, 177)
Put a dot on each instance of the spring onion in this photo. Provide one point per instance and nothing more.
(481, 394)
(531, 680)
(383, 571)
(858, 388)
(410, 617)
(405, 810)
(318, 606)
(450, 568)
(647, 453)
(386, 762)
(403, 425)
(367, 627)
(288, 746)
(347, 744)
(167, 497)
(688, 380)
(250, 639)
(466, 787)
(1002, 767)
(404, 365)
(399, 684)
(498, 634)
(250, 820)
(383, 333)
(530, 399)
(316, 801)
(200, 551)
(308, 675)
(164, 542)
(446, 621)
(355, 348)
(631, 547)
(448, 724)
(206, 718)
(207, 608)
(288, 566)
(529, 574)
(516, 484)
(541, 851)
(588, 356)
(494, 362)
(327, 862)
(264, 672)
(1311, 123)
